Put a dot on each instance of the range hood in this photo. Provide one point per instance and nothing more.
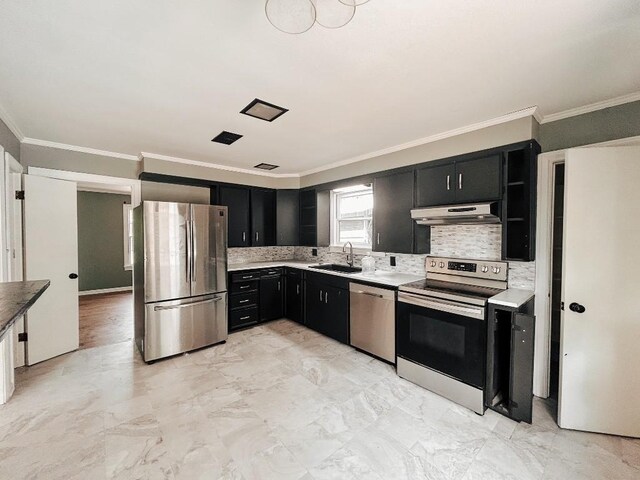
(473, 213)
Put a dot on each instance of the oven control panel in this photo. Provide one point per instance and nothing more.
(493, 270)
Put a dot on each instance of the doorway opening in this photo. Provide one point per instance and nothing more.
(556, 278)
(104, 266)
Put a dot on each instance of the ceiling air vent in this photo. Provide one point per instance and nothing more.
(265, 166)
(227, 138)
(263, 110)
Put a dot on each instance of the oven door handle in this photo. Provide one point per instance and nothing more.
(441, 305)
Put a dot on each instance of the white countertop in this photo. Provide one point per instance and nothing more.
(512, 297)
(382, 277)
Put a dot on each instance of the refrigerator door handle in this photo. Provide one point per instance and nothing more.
(185, 305)
(193, 255)
(187, 227)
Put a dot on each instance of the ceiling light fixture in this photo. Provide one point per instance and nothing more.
(265, 166)
(263, 110)
(226, 138)
(298, 16)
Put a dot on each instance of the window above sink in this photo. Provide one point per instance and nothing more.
(352, 216)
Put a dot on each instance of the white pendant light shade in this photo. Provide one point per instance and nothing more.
(333, 13)
(353, 3)
(291, 16)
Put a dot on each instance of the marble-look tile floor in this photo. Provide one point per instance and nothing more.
(277, 401)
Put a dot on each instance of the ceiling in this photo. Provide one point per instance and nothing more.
(165, 77)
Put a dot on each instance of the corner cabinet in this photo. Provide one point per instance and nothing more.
(263, 217)
(392, 223)
(287, 217)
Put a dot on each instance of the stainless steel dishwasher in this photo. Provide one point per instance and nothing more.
(373, 320)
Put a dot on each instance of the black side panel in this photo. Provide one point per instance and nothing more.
(308, 219)
(237, 201)
(521, 388)
(324, 218)
(288, 217)
(392, 223)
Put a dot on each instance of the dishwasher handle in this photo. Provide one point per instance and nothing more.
(362, 292)
(376, 292)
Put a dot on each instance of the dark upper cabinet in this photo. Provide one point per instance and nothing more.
(293, 306)
(263, 217)
(479, 179)
(392, 223)
(308, 218)
(237, 199)
(436, 185)
(462, 181)
(287, 217)
(271, 297)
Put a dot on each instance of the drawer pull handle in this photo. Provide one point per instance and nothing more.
(245, 318)
(243, 301)
(245, 286)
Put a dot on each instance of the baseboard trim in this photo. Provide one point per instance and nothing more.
(105, 290)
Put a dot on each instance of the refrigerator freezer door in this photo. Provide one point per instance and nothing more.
(208, 249)
(166, 251)
(182, 325)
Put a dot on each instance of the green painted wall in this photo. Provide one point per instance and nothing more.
(611, 123)
(101, 241)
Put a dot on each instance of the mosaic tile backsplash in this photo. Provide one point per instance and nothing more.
(463, 241)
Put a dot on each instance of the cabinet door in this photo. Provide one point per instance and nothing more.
(288, 217)
(337, 314)
(392, 223)
(237, 201)
(478, 180)
(436, 185)
(271, 298)
(263, 218)
(293, 295)
(314, 305)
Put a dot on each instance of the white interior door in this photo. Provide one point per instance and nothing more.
(13, 239)
(600, 347)
(51, 252)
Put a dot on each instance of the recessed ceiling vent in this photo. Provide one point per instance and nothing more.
(226, 138)
(265, 166)
(263, 110)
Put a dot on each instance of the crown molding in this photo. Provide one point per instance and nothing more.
(76, 148)
(572, 112)
(198, 163)
(13, 126)
(525, 112)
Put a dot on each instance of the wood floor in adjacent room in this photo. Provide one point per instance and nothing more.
(106, 319)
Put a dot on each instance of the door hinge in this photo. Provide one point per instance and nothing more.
(23, 337)
(19, 194)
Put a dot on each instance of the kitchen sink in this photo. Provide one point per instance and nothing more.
(335, 267)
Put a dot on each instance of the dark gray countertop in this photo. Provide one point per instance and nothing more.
(16, 298)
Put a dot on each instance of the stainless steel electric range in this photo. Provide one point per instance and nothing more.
(442, 327)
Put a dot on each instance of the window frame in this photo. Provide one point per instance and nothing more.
(335, 220)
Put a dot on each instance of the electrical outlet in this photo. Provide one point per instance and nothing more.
(314, 252)
(392, 261)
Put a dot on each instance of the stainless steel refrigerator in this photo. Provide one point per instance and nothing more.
(179, 277)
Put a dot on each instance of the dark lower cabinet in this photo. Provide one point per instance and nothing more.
(293, 305)
(327, 309)
(243, 299)
(510, 348)
(271, 297)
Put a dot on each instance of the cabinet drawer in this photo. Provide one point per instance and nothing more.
(243, 317)
(244, 276)
(271, 272)
(244, 287)
(242, 300)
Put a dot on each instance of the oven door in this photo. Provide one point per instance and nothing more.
(446, 336)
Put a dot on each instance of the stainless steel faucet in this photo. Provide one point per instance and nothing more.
(350, 254)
